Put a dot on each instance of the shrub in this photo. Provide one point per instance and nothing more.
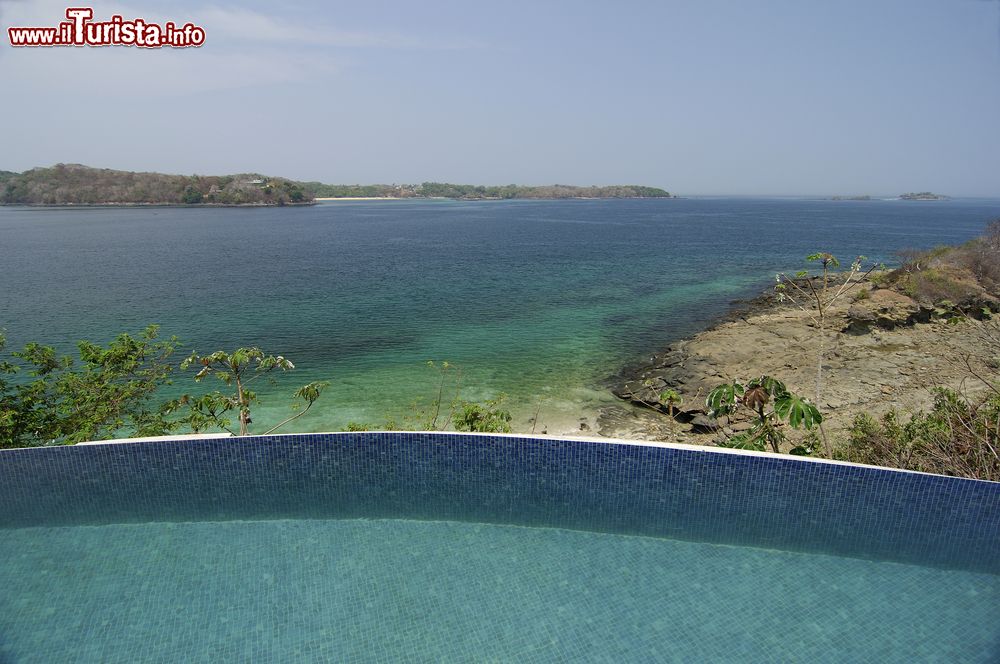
(772, 405)
(951, 273)
(957, 437)
(108, 391)
(671, 399)
(983, 256)
(487, 416)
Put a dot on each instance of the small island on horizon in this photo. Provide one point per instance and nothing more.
(919, 196)
(922, 196)
(78, 185)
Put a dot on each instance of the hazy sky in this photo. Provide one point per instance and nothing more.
(738, 96)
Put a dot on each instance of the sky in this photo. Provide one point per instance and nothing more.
(758, 97)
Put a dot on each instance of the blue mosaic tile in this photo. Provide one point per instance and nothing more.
(682, 493)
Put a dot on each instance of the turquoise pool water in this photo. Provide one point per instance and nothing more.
(425, 591)
(435, 547)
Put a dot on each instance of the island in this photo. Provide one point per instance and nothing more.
(79, 185)
(922, 196)
(470, 192)
(851, 198)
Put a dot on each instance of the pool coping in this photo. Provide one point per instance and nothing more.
(520, 436)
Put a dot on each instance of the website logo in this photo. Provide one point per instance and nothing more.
(81, 30)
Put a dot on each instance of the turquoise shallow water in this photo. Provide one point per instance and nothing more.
(542, 300)
(393, 591)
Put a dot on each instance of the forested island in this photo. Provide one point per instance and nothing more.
(912, 196)
(75, 184)
(478, 192)
(922, 196)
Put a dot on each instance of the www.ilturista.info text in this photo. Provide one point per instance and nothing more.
(81, 30)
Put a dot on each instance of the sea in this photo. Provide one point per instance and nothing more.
(538, 301)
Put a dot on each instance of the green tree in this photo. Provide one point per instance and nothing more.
(191, 196)
(671, 399)
(108, 391)
(240, 369)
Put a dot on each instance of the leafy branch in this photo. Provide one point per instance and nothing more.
(239, 369)
(757, 396)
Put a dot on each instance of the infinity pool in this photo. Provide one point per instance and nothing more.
(394, 591)
(112, 562)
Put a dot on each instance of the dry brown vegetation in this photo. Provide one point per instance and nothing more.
(966, 277)
(960, 433)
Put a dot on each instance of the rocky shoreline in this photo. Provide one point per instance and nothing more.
(884, 350)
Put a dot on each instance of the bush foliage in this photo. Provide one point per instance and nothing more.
(957, 437)
(62, 400)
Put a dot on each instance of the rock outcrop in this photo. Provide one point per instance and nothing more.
(881, 351)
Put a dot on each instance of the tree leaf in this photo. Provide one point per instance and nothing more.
(748, 440)
(723, 399)
(797, 411)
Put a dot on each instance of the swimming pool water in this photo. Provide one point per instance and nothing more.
(349, 590)
(396, 546)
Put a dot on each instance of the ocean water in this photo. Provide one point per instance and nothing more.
(539, 300)
(412, 591)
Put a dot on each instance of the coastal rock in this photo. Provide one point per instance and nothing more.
(860, 320)
(885, 298)
(977, 304)
(892, 366)
(885, 309)
(704, 424)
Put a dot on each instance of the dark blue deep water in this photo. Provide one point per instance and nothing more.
(540, 300)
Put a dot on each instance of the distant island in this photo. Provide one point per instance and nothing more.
(75, 184)
(922, 196)
(918, 196)
(477, 192)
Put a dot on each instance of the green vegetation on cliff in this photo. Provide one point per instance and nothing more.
(479, 192)
(113, 391)
(466, 191)
(73, 184)
(321, 190)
